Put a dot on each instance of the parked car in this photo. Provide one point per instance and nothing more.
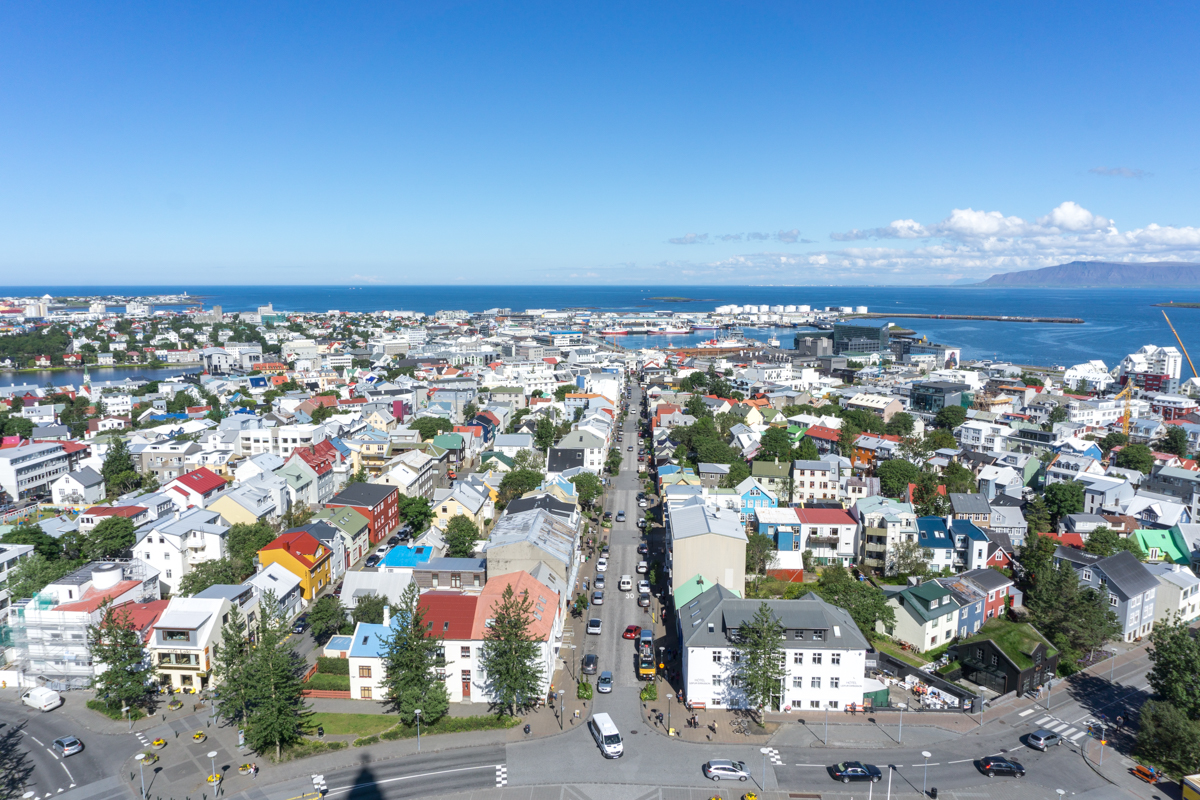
(599, 582)
(605, 684)
(68, 746)
(591, 663)
(644, 599)
(301, 624)
(995, 765)
(641, 523)
(593, 626)
(856, 771)
(1041, 739)
(643, 504)
(643, 567)
(721, 770)
(597, 598)
(373, 560)
(631, 632)
(394, 540)
(643, 586)
(607, 516)
(601, 564)
(643, 549)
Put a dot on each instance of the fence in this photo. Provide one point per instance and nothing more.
(326, 694)
(902, 670)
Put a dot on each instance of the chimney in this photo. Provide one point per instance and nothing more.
(387, 615)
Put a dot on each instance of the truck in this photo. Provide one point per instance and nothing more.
(646, 666)
(42, 699)
(1190, 786)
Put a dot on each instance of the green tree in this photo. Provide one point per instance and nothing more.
(279, 714)
(1058, 414)
(34, 573)
(220, 572)
(910, 559)
(411, 654)
(1175, 653)
(738, 472)
(1114, 439)
(1136, 457)
(43, 543)
(232, 678)
(865, 604)
(1105, 542)
(119, 473)
(760, 553)
(950, 417)
(613, 462)
(110, 539)
(940, 439)
(327, 617)
(958, 479)
(1037, 515)
(561, 392)
(1175, 441)
(807, 450)
(461, 535)
(416, 512)
(1037, 556)
(847, 435)
(359, 476)
(545, 432)
(243, 542)
(369, 609)
(895, 475)
(428, 427)
(775, 444)
(928, 497)
(760, 665)
(517, 482)
(510, 654)
(901, 424)
(588, 487)
(530, 460)
(695, 407)
(117, 644)
(1062, 499)
(1167, 736)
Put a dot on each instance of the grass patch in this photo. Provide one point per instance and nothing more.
(333, 666)
(350, 724)
(329, 683)
(451, 725)
(114, 712)
(1016, 639)
(306, 748)
(907, 656)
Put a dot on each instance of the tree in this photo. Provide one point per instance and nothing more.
(807, 450)
(1058, 414)
(847, 435)
(43, 543)
(910, 559)
(119, 473)
(34, 573)
(901, 424)
(1168, 737)
(950, 417)
(1037, 556)
(1175, 652)
(561, 392)
(1114, 439)
(588, 487)
(461, 535)
(695, 407)
(940, 439)
(1175, 441)
(958, 478)
(279, 712)
(895, 475)
(429, 427)
(518, 482)
(1136, 457)
(117, 644)
(1062, 499)
(243, 542)
(1037, 515)
(760, 665)
(220, 572)
(760, 553)
(774, 445)
(545, 432)
(231, 673)
(929, 497)
(110, 539)
(613, 462)
(738, 472)
(328, 616)
(529, 459)
(369, 609)
(865, 604)
(360, 476)
(415, 512)
(410, 656)
(1105, 542)
(510, 654)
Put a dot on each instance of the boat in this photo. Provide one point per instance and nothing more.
(614, 332)
(723, 343)
(773, 342)
(670, 331)
(706, 327)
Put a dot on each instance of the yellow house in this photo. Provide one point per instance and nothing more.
(246, 507)
(303, 556)
(449, 503)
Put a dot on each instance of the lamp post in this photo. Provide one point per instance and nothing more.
(212, 757)
(417, 711)
(900, 735)
(826, 725)
(764, 751)
(891, 769)
(141, 758)
(1112, 664)
(925, 782)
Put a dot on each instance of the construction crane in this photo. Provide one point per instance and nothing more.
(1126, 393)
(1181, 347)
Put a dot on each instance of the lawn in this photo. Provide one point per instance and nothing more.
(324, 682)
(907, 656)
(1016, 639)
(351, 724)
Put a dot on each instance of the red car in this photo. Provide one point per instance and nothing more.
(632, 632)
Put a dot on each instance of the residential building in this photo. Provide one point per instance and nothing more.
(461, 501)
(882, 406)
(886, 525)
(354, 529)
(973, 507)
(1008, 657)
(936, 545)
(166, 460)
(84, 487)
(281, 583)
(28, 470)
(707, 542)
(926, 615)
(1178, 592)
(303, 556)
(375, 501)
(182, 645)
(814, 480)
(1129, 585)
(177, 543)
(522, 542)
(196, 488)
(10, 556)
(830, 534)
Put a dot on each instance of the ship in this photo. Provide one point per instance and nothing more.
(670, 331)
(614, 332)
(723, 343)
(706, 327)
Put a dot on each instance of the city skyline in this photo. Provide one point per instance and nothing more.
(534, 145)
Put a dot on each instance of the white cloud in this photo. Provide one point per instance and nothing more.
(1071, 216)
(1119, 172)
(691, 238)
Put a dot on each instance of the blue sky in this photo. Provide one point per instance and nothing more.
(592, 143)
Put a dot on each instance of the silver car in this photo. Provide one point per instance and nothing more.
(68, 746)
(604, 685)
(1041, 739)
(726, 770)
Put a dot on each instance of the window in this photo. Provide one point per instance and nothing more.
(995, 660)
(176, 636)
(364, 672)
(717, 656)
(835, 659)
(816, 683)
(465, 652)
(833, 703)
(798, 658)
(834, 683)
(364, 693)
(795, 544)
(168, 573)
(814, 703)
(818, 636)
(717, 680)
(816, 658)
(799, 634)
(1112, 600)
(797, 682)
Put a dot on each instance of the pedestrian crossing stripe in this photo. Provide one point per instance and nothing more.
(1043, 720)
(1075, 738)
(1060, 726)
(501, 775)
(1027, 712)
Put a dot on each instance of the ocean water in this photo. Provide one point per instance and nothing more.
(1117, 321)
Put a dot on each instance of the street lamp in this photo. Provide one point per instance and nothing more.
(764, 751)
(925, 783)
(1112, 664)
(826, 725)
(418, 713)
(141, 758)
(900, 735)
(212, 757)
(891, 769)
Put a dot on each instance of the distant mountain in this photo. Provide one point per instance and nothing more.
(1103, 273)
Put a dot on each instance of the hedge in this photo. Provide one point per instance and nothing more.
(306, 748)
(329, 683)
(447, 725)
(333, 666)
(114, 712)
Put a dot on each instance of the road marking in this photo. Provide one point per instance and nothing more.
(1059, 727)
(930, 764)
(31, 736)
(409, 777)
(501, 775)
(1068, 732)
(1027, 712)
(1043, 720)
(70, 777)
(1075, 738)
(809, 765)
(960, 761)
(51, 752)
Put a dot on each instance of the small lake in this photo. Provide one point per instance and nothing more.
(74, 377)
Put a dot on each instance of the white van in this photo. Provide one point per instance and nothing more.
(42, 699)
(626, 583)
(607, 737)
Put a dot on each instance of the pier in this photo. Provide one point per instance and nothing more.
(980, 317)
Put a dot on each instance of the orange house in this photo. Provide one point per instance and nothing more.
(303, 556)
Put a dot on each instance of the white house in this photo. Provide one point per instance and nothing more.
(83, 487)
(181, 646)
(177, 543)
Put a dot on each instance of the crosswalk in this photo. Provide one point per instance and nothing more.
(501, 775)
(1064, 729)
(774, 756)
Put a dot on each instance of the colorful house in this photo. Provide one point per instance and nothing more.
(303, 556)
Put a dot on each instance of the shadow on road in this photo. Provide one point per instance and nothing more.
(15, 764)
(364, 787)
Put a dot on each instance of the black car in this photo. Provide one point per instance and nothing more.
(643, 549)
(591, 663)
(995, 765)
(372, 561)
(856, 771)
(301, 624)
(394, 540)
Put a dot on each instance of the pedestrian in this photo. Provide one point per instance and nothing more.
(254, 770)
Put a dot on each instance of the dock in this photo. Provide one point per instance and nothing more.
(978, 317)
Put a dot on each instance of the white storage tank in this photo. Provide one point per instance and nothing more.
(106, 576)
(860, 309)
